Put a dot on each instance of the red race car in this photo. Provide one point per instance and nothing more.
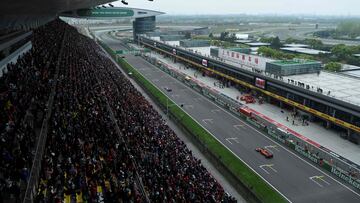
(265, 153)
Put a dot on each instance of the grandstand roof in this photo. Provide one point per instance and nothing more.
(257, 44)
(296, 45)
(342, 87)
(304, 50)
(44, 7)
(32, 13)
(20, 14)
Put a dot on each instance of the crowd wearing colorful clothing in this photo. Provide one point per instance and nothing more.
(106, 142)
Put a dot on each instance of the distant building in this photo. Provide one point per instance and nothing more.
(173, 43)
(214, 52)
(195, 43)
(154, 34)
(241, 50)
(201, 31)
(194, 31)
(241, 36)
(144, 25)
(145, 20)
(297, 45)
(172, 37)
(243, 59)
(155, 38)
(301, 50)
(348, 67)
(293, 67)
(243, 41)
(258, 44)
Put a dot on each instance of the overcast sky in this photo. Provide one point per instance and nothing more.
(311, 7)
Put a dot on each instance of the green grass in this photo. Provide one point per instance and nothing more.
(264, 192)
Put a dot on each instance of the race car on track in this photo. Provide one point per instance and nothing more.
(265, 153)
(168, 89)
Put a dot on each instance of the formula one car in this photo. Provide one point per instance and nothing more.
(265, 153)
(248, 99)
(168, 89)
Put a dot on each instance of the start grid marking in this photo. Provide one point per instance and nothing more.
(215, 111)
(271, 148)
(318, 180)
(208, 121)
(268, 167)
(239, 127)
(231, 140)
(188, 106)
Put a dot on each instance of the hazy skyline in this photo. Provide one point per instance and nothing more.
(280, 7)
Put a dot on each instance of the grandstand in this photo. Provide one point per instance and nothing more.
(100, 140)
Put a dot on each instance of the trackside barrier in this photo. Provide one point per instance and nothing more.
(257, 189)
(343, 175)
(312, 151)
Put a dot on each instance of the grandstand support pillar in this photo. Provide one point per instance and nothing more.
(311, 117)
(281, 104)
(328, 124)
(268, 98)
(348, 133)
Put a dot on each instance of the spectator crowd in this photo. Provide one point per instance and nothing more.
(24, 90)
(106, 142)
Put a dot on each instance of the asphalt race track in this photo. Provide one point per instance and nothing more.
(296, 179)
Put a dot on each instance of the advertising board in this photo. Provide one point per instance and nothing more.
(260, 83)
(253, 61)
(204, 62)
(346, 177)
